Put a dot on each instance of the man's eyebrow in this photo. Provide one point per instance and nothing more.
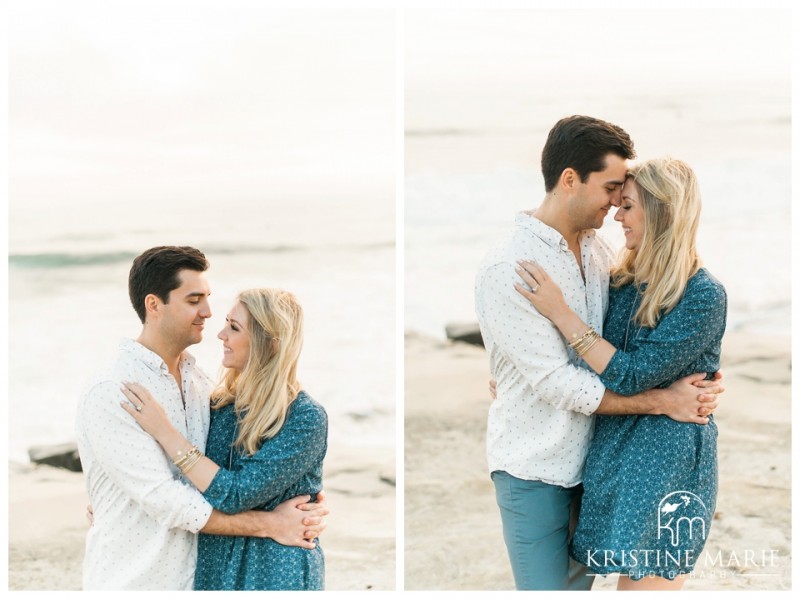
(196, 294)
(615, 183)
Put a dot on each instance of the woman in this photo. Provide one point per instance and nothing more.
(266, 443)
(650, 483)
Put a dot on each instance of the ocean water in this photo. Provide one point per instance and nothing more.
(69, 308)
(483, 91)
(453, 218)
(229, 130)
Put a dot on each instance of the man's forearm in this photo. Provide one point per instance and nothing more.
(648, 402)
(245, 524)
(295, 522)
(690, 399)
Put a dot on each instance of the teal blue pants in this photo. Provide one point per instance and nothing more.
(538, 521)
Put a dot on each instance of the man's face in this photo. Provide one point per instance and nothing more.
(603, 189)
(183, 317)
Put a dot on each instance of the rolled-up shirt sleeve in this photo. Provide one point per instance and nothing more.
(534, 345)
(263, 478)
(135, 462)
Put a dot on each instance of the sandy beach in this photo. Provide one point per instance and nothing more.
(453, 537)
(47, 527)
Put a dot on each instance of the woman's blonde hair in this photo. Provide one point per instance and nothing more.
(667, 256)
(263, 390)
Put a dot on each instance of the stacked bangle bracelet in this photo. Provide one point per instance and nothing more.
(185, 461)
(585, 342)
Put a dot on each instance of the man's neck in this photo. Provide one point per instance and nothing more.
(551, 214)
(171, 355)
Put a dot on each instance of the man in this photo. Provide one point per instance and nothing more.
(145, 518)
(540, 425)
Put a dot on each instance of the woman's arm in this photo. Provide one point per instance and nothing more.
(546, 297)
(693, 328)
(295, 450)
(152, 418)
(680, 336)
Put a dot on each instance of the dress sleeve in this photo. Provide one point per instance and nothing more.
(534, 345)
(135, 462)
(277, 465)
(680, 337)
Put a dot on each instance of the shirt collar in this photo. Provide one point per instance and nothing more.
(548, 234)
(151, 359)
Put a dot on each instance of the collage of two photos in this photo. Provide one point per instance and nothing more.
(219, 378)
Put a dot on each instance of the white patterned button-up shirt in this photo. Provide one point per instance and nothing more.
(540, 425)
(145, 518)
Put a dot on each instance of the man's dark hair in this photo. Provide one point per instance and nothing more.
(156, 271)
(582, 143)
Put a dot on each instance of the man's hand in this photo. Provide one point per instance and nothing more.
(683, 403)
(315, 516)
(297, 522)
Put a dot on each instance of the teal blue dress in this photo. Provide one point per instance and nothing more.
(285, 466)
(650, 483)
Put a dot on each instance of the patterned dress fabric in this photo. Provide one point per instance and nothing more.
(650, 483)
(285, 466)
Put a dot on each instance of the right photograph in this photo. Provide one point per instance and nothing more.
(597, 300)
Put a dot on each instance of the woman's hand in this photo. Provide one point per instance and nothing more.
(146, 410)
(544, 294)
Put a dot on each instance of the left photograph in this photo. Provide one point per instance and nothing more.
(201, 301)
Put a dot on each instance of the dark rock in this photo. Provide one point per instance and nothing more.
(466, 332)
(64, 455)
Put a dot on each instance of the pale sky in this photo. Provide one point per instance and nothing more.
(198, 95)
(471, 54)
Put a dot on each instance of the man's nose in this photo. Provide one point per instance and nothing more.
(205, 310)
(616, 199)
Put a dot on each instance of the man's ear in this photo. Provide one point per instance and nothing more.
(152, 305)
(569, 179)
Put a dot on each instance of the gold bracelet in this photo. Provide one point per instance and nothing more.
(189, 458)
(181, 454)
(585, 343)
(191, 463)
(577, 340)
(588, 345)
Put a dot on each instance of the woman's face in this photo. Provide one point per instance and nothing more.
(630, 215)
(235, 338)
